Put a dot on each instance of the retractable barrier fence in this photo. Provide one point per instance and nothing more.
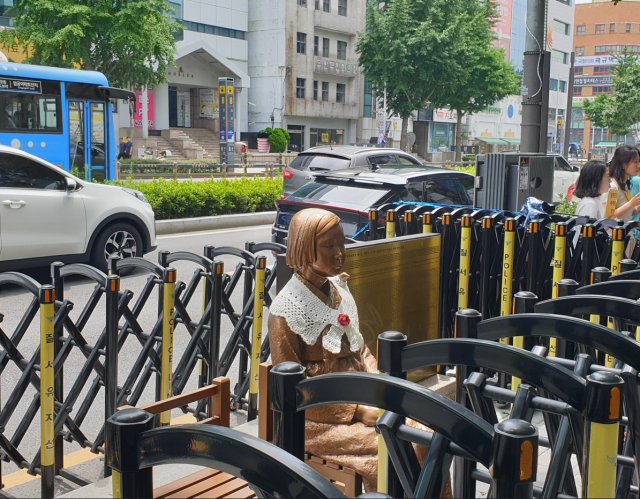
(69, 404)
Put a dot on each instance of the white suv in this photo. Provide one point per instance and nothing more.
(49, 215)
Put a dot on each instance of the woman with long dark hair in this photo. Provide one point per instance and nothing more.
(592, 183)
(624, 165)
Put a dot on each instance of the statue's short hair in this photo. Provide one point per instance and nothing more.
(305, 227)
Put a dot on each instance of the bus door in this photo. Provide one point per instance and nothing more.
(88, 151)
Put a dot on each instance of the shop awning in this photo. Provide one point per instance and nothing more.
(606, 144)
(513, 142)
(491, 140)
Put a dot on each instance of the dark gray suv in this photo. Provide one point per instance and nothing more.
(330, 158)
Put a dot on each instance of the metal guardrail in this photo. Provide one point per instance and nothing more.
(176, 171)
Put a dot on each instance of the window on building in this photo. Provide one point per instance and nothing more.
(601, 90)
(559, 57)
(601, 70)
(341, 90)
(367, 98)
(579, 51)
(213, 30)
(612, 27)
(300, 84)
(342, 7)
(315, 45)
(578, 71)
(560, 27)
(325, 91)
(577, 91)
(581, 30)
(302, 43)
(317, 4)
(599, 29)
(315, 89)
(566, 2)
(325, 47)
(553, 84)
(342, 51)
(302, 3)
(562, 86)
(326, 5)
(628, 30)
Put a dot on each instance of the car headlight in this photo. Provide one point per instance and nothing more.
(136, 194)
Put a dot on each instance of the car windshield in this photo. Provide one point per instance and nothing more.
(344, 194)
(320, 161)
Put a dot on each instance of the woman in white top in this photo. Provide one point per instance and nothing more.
(624, 165)
(592, 183)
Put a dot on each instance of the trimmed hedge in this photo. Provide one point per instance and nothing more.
(210, 197)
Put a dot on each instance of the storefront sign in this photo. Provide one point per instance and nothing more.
(325, 137)
(596, 60)
(209, 108)
(589, 81)
(227, 120)
(336, 67)
(340, 132)
(137, 121)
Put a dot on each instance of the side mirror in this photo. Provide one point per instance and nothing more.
(71, 184)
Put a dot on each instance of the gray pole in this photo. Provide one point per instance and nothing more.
(567, 117)
(532, 91)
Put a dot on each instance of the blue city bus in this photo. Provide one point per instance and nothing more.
(63, 116)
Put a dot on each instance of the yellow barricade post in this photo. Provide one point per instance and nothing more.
(427, 224)
(523, 303)
(601, 432)
(507, 271)
(373, 224)
(168, 304)
(391, 224)
(465, 262)
(256, 344)
(47, 394)
(408, 219)
(601, 274)
(560, 250)
(617, 249)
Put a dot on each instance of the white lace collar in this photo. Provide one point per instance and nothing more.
(307, 315)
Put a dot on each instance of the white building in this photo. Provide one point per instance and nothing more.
(213, 44)
(304, 69)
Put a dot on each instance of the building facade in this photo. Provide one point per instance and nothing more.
(602, 30)
(304, 69)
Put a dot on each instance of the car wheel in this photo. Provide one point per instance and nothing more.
(119, 239)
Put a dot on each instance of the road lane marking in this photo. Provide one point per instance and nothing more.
(75, 458)
(218, 231)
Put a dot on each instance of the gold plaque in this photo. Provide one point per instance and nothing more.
(396, 285)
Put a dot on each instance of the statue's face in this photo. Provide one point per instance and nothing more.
(330, 253)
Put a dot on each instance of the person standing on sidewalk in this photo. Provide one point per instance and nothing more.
(129, 148)
(122, 147)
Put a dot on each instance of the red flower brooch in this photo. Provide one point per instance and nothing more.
(344, 320)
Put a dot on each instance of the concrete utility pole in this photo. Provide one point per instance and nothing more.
(533, 80)
(145, 117)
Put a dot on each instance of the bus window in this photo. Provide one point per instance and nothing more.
(98, 146)
(30, 112)
(76, 135)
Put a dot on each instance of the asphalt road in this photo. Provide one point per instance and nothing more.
(14, 302)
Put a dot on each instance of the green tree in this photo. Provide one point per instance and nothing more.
(483, 74)
(130, 41)
(409, 49)
(620, 111)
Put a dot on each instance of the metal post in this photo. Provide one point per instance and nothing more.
(47, 298)
(391, 224)
(485, 264)
(515, 459)
(617, 248)
(533, 235)
(445, 256)
(408, 223)
(567, 123)
(603, 413)
(465, 261)
(507, 271)
(111, 352)
(627, 265)
(207, 293)
(466, 327)
(560, 251)
(427, 224)
(214, 326)
(58, 285)
(256, 343)
(523, 303)
(567, 287)
(175, 171)
(588, 248)
(288, 422)
(169, 292)
(224, 170)
(121, 435)
(390, 346)
(373, 224)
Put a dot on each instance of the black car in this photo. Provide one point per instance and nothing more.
(350, 193)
